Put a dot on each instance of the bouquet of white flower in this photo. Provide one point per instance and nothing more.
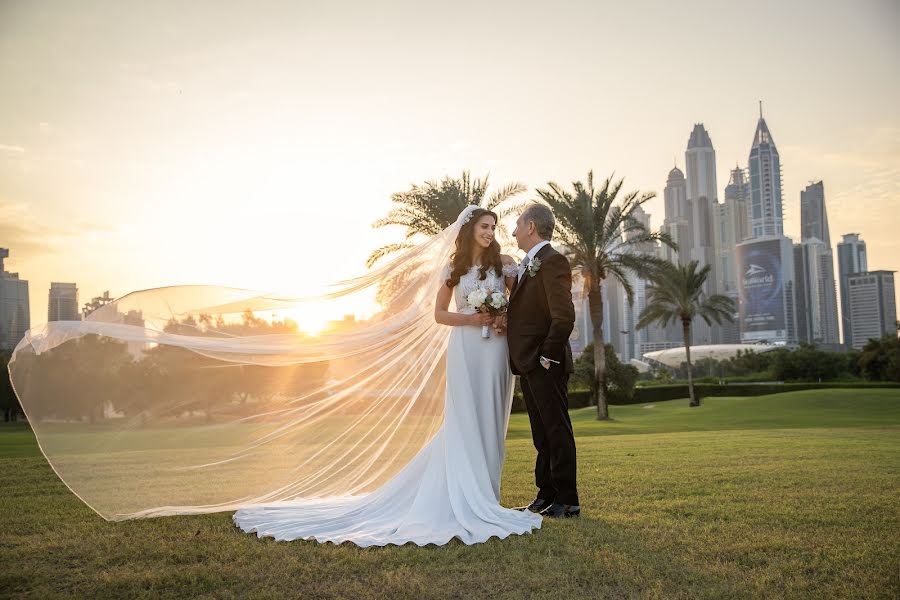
(486, 300)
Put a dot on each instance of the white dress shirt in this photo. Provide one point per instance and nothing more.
(530, 256)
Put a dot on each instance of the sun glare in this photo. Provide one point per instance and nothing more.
(311, 323)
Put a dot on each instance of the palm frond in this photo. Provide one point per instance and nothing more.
(717, 308)
(429, 208)
(504, 194)
(385, 250)
(677, 293)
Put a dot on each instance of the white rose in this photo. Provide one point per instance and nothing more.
(477, 297)
(498, 300)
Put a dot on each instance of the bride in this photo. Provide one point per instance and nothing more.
(386, 428)
(452, 487)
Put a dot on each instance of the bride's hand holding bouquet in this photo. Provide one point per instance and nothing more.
(491, 302)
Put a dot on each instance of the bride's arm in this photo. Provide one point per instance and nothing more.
(509, 266)
(446, 317)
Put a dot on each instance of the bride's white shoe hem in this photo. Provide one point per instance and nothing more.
(338, 540)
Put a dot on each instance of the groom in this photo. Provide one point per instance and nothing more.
(540, 318)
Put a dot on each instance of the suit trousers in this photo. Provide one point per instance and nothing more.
(547, 401)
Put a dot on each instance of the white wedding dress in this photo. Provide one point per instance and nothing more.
(452, 486)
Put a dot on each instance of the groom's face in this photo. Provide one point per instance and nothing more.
(524, 233)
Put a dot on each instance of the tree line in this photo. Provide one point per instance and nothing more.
(99, 377)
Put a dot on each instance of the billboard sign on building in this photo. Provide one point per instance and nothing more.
(762, 290)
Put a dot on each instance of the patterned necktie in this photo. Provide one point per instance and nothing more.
(524, 266)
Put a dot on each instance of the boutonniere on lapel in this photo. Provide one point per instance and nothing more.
(533, 267)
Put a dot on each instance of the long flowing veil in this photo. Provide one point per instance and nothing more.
(197, 399)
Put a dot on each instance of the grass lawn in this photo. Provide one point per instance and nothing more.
(790, 495)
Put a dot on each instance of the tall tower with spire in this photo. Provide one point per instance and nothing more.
(766, 216)
(765, 261)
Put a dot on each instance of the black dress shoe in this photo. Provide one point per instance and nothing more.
(561, 511)
(537, 505)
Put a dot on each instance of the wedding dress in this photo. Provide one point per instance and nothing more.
(452, 487)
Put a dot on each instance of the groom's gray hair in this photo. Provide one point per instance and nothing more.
(543, 219)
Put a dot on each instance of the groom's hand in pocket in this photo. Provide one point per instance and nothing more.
(546, 362)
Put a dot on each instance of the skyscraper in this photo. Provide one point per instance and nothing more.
(815, 295)
(582, 334)
(813, 217)
(816, 273)
(872, 306)
(851, 259)
(766, 277)
(615, 304)
(731, 229)
(700, 165)
(765, 183)
(15, 318)
(635, 338)
(63, 302)
(700, 161)
(675, 222)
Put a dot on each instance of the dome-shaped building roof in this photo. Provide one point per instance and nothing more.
(675, 174)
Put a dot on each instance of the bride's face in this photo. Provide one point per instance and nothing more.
(484, 231)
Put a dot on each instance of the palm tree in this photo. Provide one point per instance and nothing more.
(430, 208)
(602, 240)
(676, 294)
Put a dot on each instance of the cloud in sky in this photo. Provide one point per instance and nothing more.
(23, 231)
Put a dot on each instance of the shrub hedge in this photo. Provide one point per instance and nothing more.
(662, 393)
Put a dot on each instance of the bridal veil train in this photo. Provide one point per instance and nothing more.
(197, 399)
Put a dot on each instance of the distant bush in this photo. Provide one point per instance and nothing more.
(880, 359)
(806, 363)
(620, 377)
(580, 398)
(661, 393)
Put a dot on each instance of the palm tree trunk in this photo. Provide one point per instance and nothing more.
(595, 305)
(686, 325)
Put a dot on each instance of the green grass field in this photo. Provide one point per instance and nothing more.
(785, 496)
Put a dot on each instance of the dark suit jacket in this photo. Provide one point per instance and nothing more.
(541, 315)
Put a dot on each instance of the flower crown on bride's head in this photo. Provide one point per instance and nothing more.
(470, 210)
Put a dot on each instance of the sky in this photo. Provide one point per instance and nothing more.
(253, 144)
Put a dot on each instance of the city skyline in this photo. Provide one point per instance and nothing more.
(162, 151)
(692, 209)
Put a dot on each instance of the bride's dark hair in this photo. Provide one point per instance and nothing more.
(461, 259)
